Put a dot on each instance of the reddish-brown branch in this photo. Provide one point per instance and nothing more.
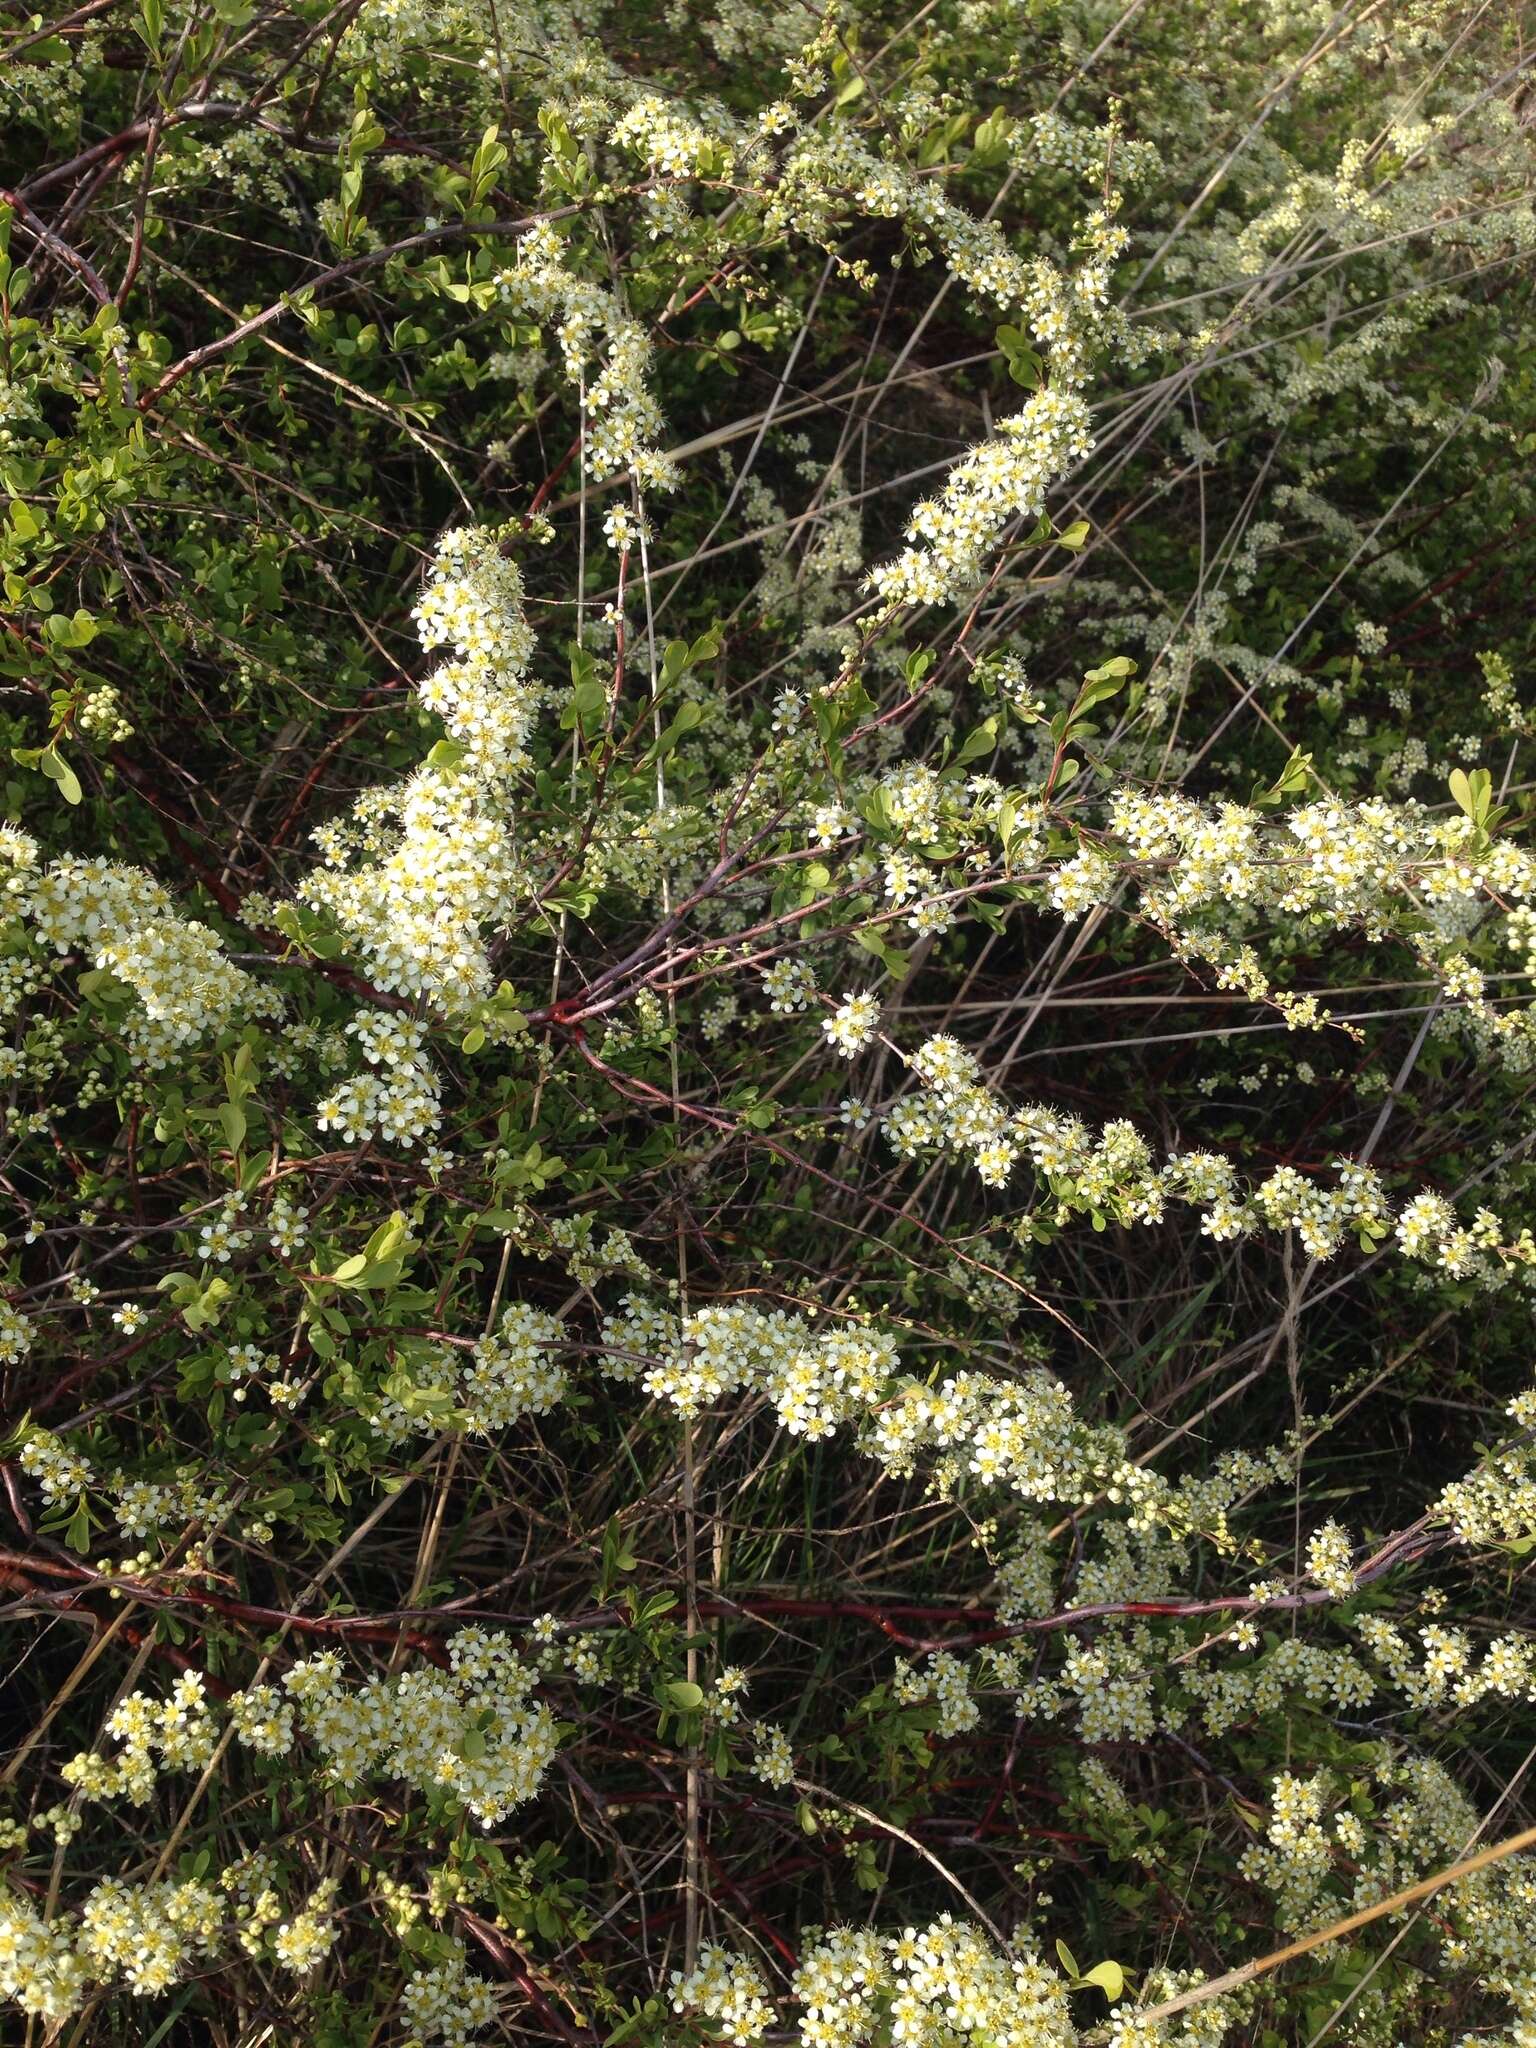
(973, 1627)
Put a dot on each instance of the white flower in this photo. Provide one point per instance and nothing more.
(852, 1024)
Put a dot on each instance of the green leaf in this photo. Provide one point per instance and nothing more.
(78, 1532)
(588, 700)
(504, 1220)
(876, 810)
(1102, 683)
(1120, 665)
(387, 1239)
(1109, 1977)
(1294, 776)
(981, 740)
(59, 772)
(685, 1695)
(689, 715)
(579, 899)
(1026, 365)
(1473, 793)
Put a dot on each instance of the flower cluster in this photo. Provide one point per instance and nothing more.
(473, 604)
(790, 986)
(852, 1024)
(418, 873)
(400, 1100)
(183, 985)
(1023, 1434)
(1330, 1560)
(1500, 698)
(666, 140)
(473, 1731)
(1201, 872)
(1004, 480)
(15, 1335)
(148, 1937)
(727, 1988)
(773, 1757)
(815, 1379)
(175, 1734)
(513, 1372)
(937, 1983)
(946, 1682)
(605, 352)
(447, 2004)
(61, 1474)
(1048, 139)
(1113, 1174)
(1496, 1504)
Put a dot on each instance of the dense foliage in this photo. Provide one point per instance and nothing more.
(768, 1075)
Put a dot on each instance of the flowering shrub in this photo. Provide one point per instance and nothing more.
(766, 933)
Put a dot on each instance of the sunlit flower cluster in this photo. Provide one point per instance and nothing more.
(61, 1473)
(174, 1734)
(513, 1372)
(940, 1982)
(666, 140)
(851, 1025)
(725, 1987)
(473, 1730)
(447, 2004)
(149, 1937)
(1005, 479)
(1496, 1503)
(1113, 1173)
(1201, 871)
(605, 351)
(183, 984)
(1024, 1434)
(473, 604)
(416, 873)
(399, 1100)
